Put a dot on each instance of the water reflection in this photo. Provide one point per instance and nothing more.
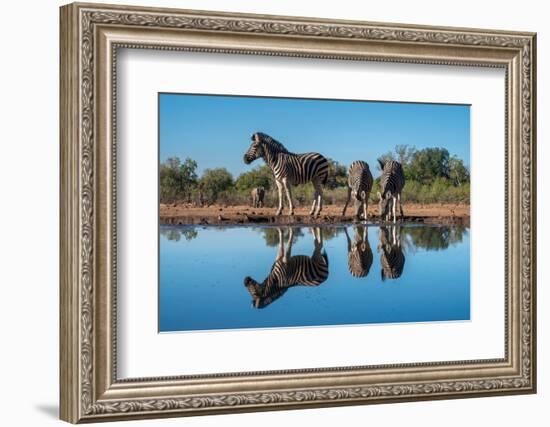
(359, 251)
(434, 238)
(392, 258)
(202, 270)
(288, 270)
(174, 234)
(271, 234)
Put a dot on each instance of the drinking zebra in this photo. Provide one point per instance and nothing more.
(392, 258)
(359, 185)
(392, 182)
(258, 195)
(359, 252)
(290, 169)
(288, 271)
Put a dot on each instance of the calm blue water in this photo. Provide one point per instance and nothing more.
(203, 269)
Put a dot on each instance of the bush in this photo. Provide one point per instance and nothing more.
(214, 182)
(432, 176)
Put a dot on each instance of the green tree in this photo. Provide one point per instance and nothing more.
(458, 172)
(337, 174)
(260, 176)
(188, 177)
(404, 154)
(428, 164)
(215, 181)
(177, 180)
(170, 184)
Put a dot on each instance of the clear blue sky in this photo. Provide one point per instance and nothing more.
(215, 130)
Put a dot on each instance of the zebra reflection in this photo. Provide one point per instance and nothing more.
(392, 258)
(359, 252)
(288, 271)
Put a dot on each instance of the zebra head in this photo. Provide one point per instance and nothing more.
(258, 291)
(254, 289)
(256, 149)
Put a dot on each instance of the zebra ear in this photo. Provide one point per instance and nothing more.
(381, 163)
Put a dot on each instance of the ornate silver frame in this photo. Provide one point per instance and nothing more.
(90, 36)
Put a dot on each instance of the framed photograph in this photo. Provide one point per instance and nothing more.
(266, 212)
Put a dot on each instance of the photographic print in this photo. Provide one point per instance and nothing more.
(287, 212)
(255, 183)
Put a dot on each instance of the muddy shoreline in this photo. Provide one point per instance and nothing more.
(442, 214)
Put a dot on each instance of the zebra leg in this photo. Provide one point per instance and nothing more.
(317, 237)
(280, 253)
(358, 205)
(394, 206)
(320, 235)
(365, 207)
(289, 197)
(288, 252)
(280, 192)
(347, 201)
(314, 203)
(319, 191)
(348, 239)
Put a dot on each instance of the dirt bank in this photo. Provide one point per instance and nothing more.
(331, 214)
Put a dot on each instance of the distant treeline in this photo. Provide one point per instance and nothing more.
(413, 237)
(432, 176)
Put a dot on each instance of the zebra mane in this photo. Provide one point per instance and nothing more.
(273, 143)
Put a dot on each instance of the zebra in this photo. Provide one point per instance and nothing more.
(359, 252)
(392, 182)
(288, 271)
(392, 259)
(360, 185)
(290, 169)
(258, 195)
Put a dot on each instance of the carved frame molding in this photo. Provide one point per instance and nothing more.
(90, 36)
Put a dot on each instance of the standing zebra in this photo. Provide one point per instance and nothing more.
(290, 169)
(392, 182)
(258, 195)
(392, 258)
(359, 252)
(360, 185)
(288, 271)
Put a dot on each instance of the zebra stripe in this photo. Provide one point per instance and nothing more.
(359, 185)
(289, 168)
(359, 252)
(289, 271)
(392, 182)
(392, 258)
